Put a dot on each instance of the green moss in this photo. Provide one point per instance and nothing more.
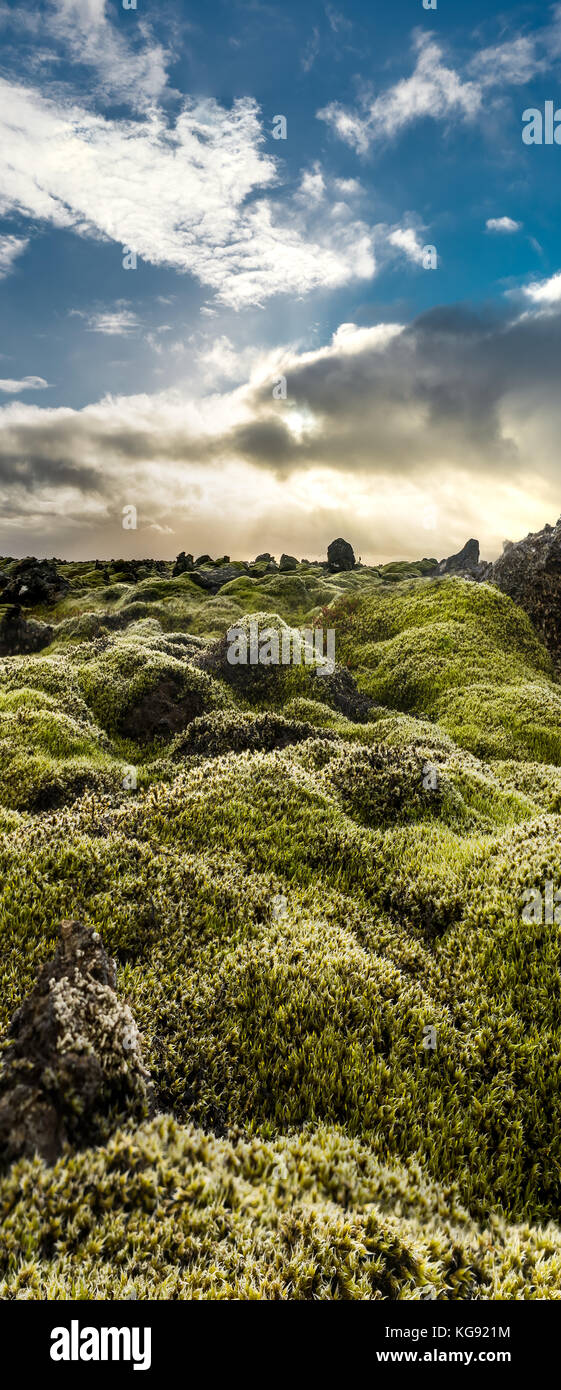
(138, 689)
(292, 898)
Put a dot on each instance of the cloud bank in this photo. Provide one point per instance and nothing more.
(455, 416)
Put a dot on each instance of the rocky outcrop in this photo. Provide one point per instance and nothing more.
(215, 579)
(183, 564)
(340, 556)
(35, 581)
(73, 1069)
(18, 636)
(287, 563)
(466, 559)
(466, 562)
(530, 572)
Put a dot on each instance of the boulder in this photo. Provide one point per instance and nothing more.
(530, 572)
(287, 562)
(340, 556)
(214, 579)
(18, 636)
(73, 1068)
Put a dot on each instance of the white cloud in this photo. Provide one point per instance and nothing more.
(312, 185)
(513, 63)
(432, 90)
(405, 239)
(223, 360)
(181, 195)
(544, 293)
(118, 321)
(311, 51)
(27, 383)
(502, 224)
(127, 65)
(10, 248)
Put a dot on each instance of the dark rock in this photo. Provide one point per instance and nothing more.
(467, 559)
(481, 572)
(73, 1069)
(183, 564)
(18, 636)
(530, 572)
(224, 560)
(264, 556)
(35, 581)
(204, 560)
(340, 556)
(162, 711)
(287, 562)
(132, 571)
(213, 580)
(340, 690)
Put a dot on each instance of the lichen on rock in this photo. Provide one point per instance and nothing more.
(73, 1067)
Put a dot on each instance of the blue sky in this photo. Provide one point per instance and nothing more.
(420, 405)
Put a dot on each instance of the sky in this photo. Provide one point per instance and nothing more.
(272, 273)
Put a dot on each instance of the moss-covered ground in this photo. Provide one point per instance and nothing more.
(353, 1032)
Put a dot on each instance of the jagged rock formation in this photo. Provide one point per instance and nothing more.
(466, 562)
(340, 556)
(17, 636)
(466, 559)
(183, 564)
(73, 1069)
(35, 581)
(530, 573)
(287, 562)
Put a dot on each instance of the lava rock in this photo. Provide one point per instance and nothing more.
(184, 564)
(340, 556)
(287, 562)
(467, 559)
(213, 580)
(530, 572)
(18, 636)
(35, 581)
(73, 1069)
